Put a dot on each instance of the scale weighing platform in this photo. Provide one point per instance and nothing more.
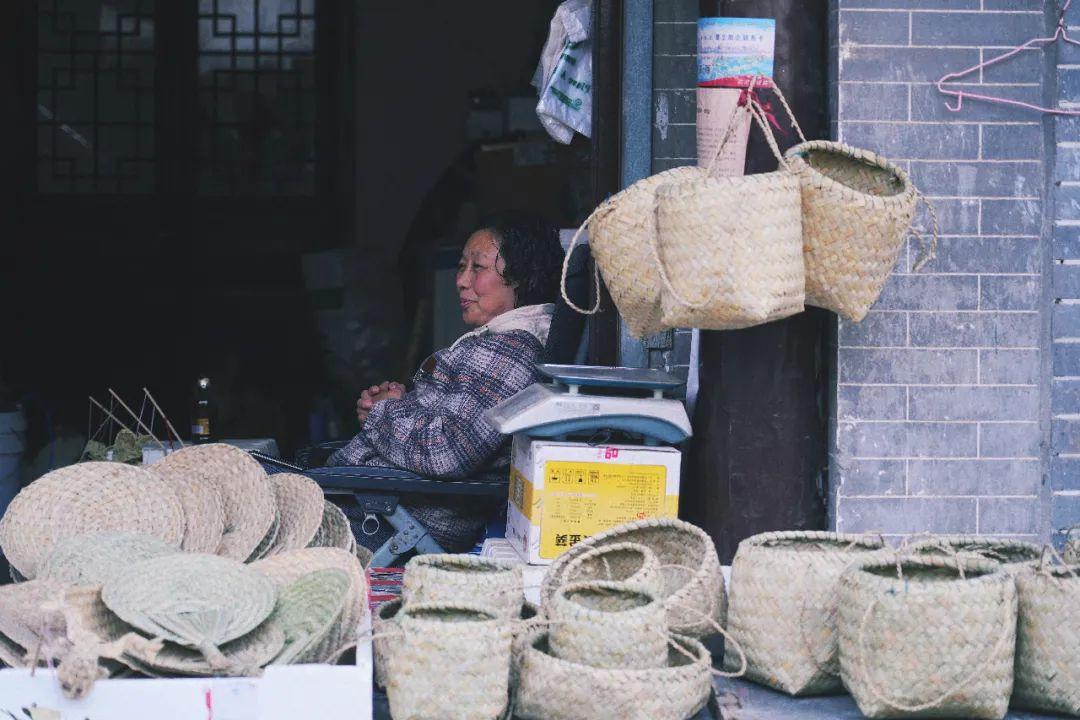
(561, 408)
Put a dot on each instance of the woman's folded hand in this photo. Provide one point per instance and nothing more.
(377, 393)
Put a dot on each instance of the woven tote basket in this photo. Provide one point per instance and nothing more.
(1014, 554)
(452, 662)
(928, 637)
(632, 564)
(783, 603)
(550, 688)
(729, 249)
(384, 634)
(468, 579)
(693, 585)
(608, 625)
(1048, 640)
(856, 211)
(287, 567)
(87, 498)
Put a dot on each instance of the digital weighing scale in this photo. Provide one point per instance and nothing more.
(561, 408)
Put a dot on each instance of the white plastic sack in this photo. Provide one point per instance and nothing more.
(564, 76)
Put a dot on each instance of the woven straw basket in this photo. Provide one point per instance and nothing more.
(693, 586)
(467, 579)
(783, 603)
(87, 498)
(550, 688)
(729, 249)
(1014, 554)
(608, 625)
(384, 633)
(1072, 545)
(1048, 640)
(632, 564)
(452, 661)
(287, 567)
(857, 208)
(935, 641)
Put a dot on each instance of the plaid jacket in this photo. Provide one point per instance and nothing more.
(438, 428)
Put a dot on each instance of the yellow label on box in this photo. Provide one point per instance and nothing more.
(581, 499)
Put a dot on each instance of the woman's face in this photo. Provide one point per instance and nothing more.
(483, 292)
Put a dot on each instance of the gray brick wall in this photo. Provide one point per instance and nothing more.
(940, 414)
(674, 134)
(1065, 320)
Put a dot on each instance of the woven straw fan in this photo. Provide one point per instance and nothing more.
(95, 558)
(86, 498)
(307, 611)
(334, 531)
(300, 505)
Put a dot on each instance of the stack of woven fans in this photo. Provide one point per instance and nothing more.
(198, 565)
(619, 636)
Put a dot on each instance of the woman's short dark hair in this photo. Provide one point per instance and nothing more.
(533, 254)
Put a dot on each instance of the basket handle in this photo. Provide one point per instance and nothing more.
(876, 692)
(605, 207)
(654, 236)
(750, 104)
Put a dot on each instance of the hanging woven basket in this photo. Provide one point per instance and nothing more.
(928, 637)
(1048, 640)
(783, 603)
(856, 211)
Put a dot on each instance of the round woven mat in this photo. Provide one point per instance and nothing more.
(288, 567)
(268, 541)
(246, 494)
(193, 600)
(334, 530)
(245, 656)
(94, 559)
(307, 610)
(300, 510)
(204, 509)
(86, 498)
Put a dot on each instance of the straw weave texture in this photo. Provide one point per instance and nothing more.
(95, 558)
(191, 599)
(553, 689)
(464, 579)
(245, 656)
(287, 567)
(857, 208)
(731, 249)
(452, 662)
(26, 622)
(307, 610)
(633, 564)
(86, 498)
(334, 530)
(930, 644)
(620, 239)
(384, 636)
(300, 505)
(1015, 553)
(783, 603)
(693, 584)
(1048, 640)
(204, 509)
(607, 625)
(246, 494)
(1071, 552)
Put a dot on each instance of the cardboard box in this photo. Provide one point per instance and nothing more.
(287, 692)
(564, 492)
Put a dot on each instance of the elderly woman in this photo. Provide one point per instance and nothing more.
(507, 281)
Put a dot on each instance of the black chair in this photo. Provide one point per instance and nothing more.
(378, 490)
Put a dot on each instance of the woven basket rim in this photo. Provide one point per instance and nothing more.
(977, 542)
(449, 562)
(764, 178)
(389, 609)
(790, 538)
(638, 187)
(799, 164)
(530, 640)
(488, 615)
(990, 573)
(1058, 573)
(615, 587)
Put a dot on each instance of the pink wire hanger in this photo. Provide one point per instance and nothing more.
(1061, 33)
